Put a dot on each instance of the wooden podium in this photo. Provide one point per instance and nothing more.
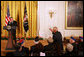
(10, 44)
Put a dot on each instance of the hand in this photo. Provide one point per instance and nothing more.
(50, 29)
(50, 37)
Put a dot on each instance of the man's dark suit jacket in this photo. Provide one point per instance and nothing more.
(57, 37)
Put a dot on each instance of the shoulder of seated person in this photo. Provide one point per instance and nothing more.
(14, 21)
(39, 43)
(33, 46)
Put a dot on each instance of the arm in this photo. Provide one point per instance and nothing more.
(50, 29)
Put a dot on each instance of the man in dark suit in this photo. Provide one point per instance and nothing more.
(57, 37)
(13, 23)
(49, 46)
(21, 51)
(50, 49)
(73, 42)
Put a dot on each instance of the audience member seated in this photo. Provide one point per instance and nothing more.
(49, 48)
(21, 50)
(52, 49)
(18, 51)
(37, 48)
(80, 46)
(69, 49)
(73, 46)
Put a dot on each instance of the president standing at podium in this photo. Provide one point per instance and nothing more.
(13, 23)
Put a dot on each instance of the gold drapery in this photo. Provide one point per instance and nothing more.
(16, 9)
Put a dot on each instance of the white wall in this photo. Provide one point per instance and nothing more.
(58, 19)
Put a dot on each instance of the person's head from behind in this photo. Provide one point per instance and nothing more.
(55, 29)
(69, 47)
(81, 39)
(77, 41)
(17, 40)
(11, 19)
(72, 40)
(17, 47)
(36, 40)
(50, 40)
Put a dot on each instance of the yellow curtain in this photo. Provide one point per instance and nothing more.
(32, 17)
(17, 17)
(2, 18)
(28, 13)
(3, 15)
(16, 9)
